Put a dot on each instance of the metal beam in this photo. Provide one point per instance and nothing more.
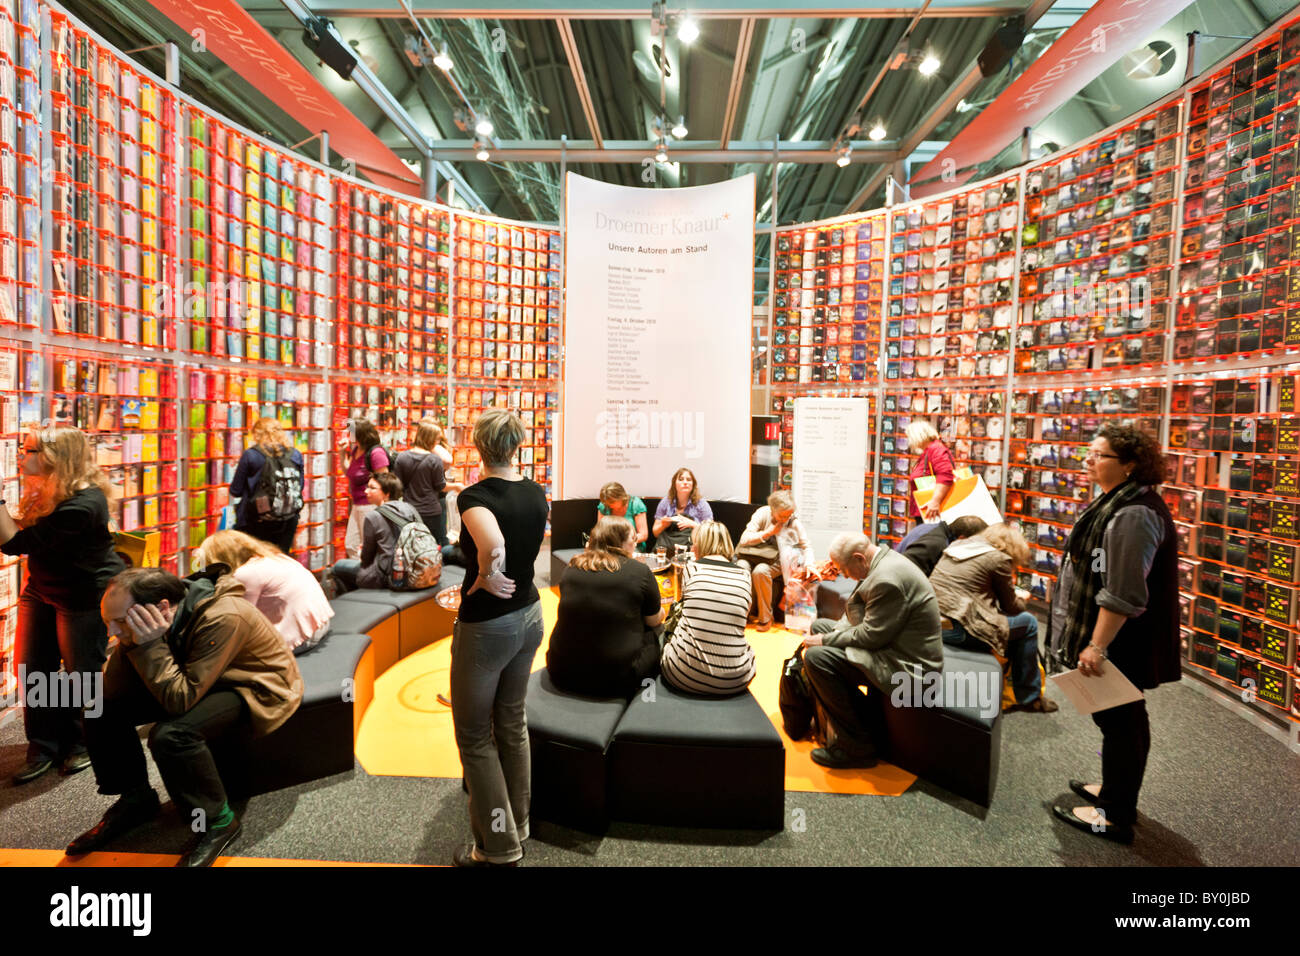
(635, 154)
(636, 9)
(570, 44)
(737, 79)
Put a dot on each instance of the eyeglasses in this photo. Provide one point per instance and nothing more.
(1095, 456)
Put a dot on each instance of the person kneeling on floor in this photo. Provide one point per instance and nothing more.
(891, 626)
(196, 660)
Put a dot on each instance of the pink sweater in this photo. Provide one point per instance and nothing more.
(288, 594)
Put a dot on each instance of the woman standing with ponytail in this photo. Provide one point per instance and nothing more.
(62, 528)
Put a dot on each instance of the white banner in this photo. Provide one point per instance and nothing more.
(658, 293)
(830, 466)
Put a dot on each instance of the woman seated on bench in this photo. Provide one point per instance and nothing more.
(378, 536)
(286, 593)
(614, 500)
(605, 641)
(707, 653)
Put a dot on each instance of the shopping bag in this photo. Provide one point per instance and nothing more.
(968, 496)
(800, 604)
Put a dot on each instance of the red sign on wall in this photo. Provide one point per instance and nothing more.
(230, 33)
(1097, 40)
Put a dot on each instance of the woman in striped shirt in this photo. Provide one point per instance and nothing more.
(707, 653)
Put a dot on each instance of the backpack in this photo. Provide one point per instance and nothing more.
(278, 495)
(796, 703)
(417, 559)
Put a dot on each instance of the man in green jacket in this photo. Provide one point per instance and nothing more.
(891, 627)
(196, 660)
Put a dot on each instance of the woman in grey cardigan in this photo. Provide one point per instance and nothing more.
(975, 584)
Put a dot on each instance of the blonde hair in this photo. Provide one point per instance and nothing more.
(613, 491)
(710, 538)
(780, 501)
(1009, 541)
(606, 547)
(498, 433)
(233, 549)
(920, 433)
(268, 433)
(428, 434)
(67, 467)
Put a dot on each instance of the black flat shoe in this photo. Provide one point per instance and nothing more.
(1078, 786)
(838, 759)
(75, 763)
(1116, 832)
(33, 770)
(210, 845)
(464, 856)
(120, 818)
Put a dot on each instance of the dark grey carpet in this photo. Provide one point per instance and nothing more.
(1218, 792)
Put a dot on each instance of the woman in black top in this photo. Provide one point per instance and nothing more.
(497, 633)
(62, 527)
(424, 480)
(604, 643)
(268, 442)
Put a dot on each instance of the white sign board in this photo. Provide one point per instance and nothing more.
(830, 465)
(658, 293)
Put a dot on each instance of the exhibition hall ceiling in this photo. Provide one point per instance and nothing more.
(895, 81)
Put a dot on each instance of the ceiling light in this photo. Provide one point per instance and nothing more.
(483, 127)
(688, 30)
(846, 152)
(442, 60)
(481, 150)
(679, 130)
(963, 106)
(661, 154)
(929, 65)
(877, 133)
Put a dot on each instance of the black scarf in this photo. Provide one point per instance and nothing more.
(1082, 548)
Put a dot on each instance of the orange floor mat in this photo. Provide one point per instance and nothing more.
(408, 733)
(57, 858)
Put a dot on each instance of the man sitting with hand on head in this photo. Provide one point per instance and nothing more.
(196, 660)
(891, 626)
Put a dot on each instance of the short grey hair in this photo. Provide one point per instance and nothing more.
(920, 433)
(780, 500)
(498, 433)
(849, 543)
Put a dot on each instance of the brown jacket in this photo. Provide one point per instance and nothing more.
(226, 644)
(975, 585)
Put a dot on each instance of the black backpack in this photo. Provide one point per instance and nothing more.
(797, 708)
(278, 495)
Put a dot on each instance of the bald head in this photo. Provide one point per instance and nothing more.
(853, 553)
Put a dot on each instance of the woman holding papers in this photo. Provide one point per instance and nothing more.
(1116, 605)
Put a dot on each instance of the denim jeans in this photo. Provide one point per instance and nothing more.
(345, 573)
(1022, 653)
(47, 637)
(490, 664)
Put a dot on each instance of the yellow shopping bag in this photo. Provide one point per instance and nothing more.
(968, 496)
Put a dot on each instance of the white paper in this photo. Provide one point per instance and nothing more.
(1092, 694)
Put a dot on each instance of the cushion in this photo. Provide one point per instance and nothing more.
(328, 664)
(395, 599)
(359, 616)
(565, 555)
(584, 722)
(957, 663)
(675, 717)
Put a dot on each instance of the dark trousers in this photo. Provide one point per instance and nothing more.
(279, 534)
(857, 720)
(179, 744)
(437, 525)
(345, 573)
(49, 637)
(1125, 743)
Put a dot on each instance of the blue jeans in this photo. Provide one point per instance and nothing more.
(1022, 653)
(490, 664)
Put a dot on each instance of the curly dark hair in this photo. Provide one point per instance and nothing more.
(1132, 444)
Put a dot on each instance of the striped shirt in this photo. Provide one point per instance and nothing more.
(708, 653)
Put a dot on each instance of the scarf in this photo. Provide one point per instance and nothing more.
(201, 586)
(1084, 543)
